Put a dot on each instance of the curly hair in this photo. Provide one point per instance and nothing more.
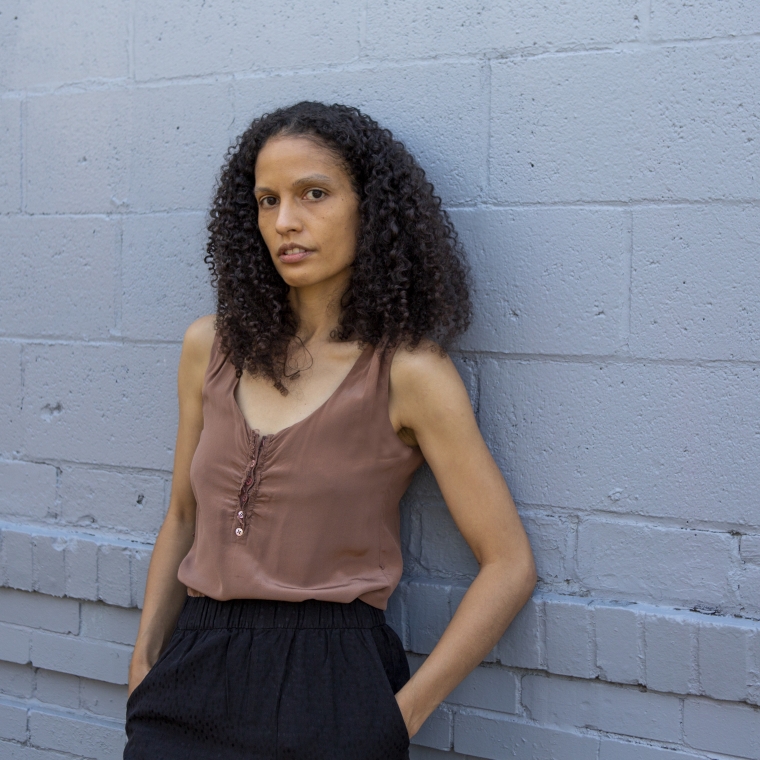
(409, 279)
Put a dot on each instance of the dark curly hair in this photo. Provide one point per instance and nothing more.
(409, 279)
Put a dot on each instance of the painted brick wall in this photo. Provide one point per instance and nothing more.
(601, 162)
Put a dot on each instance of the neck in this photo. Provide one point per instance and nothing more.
(318, 308)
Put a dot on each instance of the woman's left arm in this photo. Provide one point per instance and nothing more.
(428, 399)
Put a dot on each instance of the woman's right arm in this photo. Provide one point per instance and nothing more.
(164, 594)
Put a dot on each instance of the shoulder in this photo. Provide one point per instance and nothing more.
(424, 380)
(422, 365)
(428, 396)
(196, 345)
(200, 334)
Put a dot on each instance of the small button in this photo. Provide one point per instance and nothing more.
(241, 515)
(238, 531)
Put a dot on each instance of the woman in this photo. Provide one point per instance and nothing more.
(300, 426)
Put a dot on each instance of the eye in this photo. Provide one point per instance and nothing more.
(315, 194)
(267, 201)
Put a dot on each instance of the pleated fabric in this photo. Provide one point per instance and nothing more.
(273, 680)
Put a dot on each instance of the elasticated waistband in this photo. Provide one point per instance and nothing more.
(205, 613)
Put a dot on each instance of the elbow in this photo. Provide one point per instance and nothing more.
(524, 576)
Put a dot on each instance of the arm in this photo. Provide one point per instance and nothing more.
(164, 594)
(429, 400)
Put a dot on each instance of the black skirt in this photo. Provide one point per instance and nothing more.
(268, 680)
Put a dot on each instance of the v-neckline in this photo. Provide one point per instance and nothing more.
(251, 430)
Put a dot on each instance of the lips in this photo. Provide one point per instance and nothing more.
(290, 253)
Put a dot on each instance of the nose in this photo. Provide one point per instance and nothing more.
(288, 218)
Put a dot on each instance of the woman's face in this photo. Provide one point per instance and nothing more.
(308, 211)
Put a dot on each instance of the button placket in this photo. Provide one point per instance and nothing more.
(247, 484)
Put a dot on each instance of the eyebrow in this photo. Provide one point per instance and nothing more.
(302, 181)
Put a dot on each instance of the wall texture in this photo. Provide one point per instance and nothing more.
(601, 162)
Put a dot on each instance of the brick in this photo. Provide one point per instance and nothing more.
(618, 557)
(546, 280)
(14, 644)
(104, 413)
(396, 28)
(81, 657)
(120, 500)
(60, 689)
(627, 457)
(171, 247)
(81, 560)
(36, 51)
(13, 722)
(495, 738)
(615, 749)
(140, 562)
(175, 164)
(749, 590)
(10, 155)
(619, 644)
(606, 707)
(450, 143)
(674, 19)
(104, 698)
(724, 657)
(49, 262)
(49, 564)
(77, 152)
(107, 623)
(678, 129)
(670, 643)
(443, 550)
(17, 560)
(686, 301)
(750, 549)
(16, 680)
(69, 732)
(569, 637)
(114, 575)
(521, 645)
(435, 732)
(491, 688)
(553, 541)
(753, 669)
(730, 729)
(171, 41)
(428, 605)
(39, 611)
(11, 394)
(26, 488)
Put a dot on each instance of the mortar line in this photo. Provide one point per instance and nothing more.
(363, 29)
(647, 22)
(466, 207)
(131, 40)
(22, 151)
(627, 518)
(625, 322)
(489, 99)
(375, 64)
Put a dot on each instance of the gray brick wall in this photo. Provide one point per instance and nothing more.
(600, 161)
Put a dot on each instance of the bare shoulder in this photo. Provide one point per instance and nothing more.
(200, 334)
(426, 388)
(424, 365)
(196, 349)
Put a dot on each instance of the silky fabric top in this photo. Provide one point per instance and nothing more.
(308, 512)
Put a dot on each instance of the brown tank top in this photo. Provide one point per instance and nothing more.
(308, 512)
